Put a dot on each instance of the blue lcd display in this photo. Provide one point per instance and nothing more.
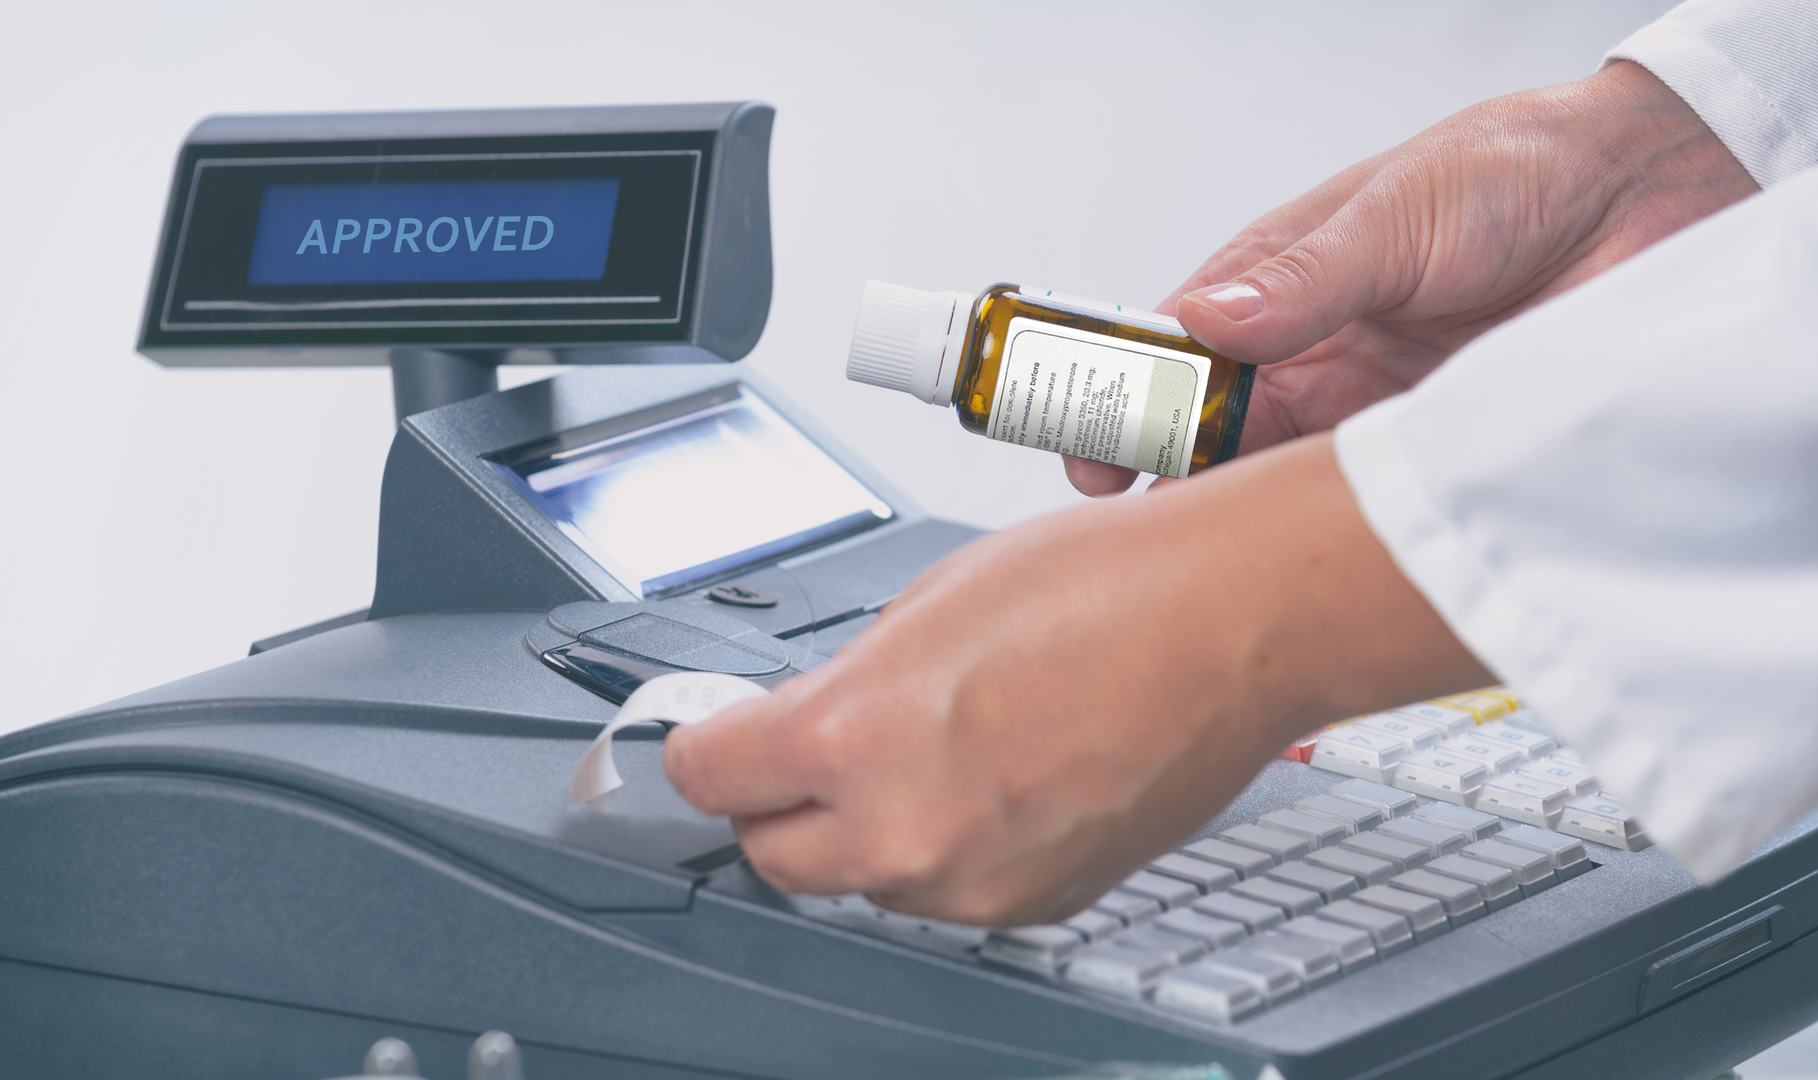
(458, 230)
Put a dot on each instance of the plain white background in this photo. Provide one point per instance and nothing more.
(156, 521)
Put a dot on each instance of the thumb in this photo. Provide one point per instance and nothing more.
(1355, 264)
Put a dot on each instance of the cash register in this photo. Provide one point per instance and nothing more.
(360, 833)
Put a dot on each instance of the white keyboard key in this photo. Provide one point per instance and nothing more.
(1601, 818)
(1215, 932)
(1416, 733)
(1095, 925)
(1128, 906)
(1041, 949)
(1533, 871)
(1495, 884)
(1460, 900)
(1566, 854)
(1438, 839)
(1251, 915)
(1570, 775)
(1283, 846)
(1354, 946)
(1451, 719)
(1329, 884)
(1567, 753)
(1441, 774)
(1205, 876)
(1476, 823)
(1244, 862)
(1532, 744)
(1316, 831)
(1354, 816)
(1388, 930)
(1366, 869)
(1315, 963)
(1392, 803)
(1169, 892)
(1271, 976)
(1202, 991)
(1118, 968)
(1403, 854)
(1527, 799)
(1425, 915)
(1363, 754)
(1498, 757)
(1527, 718)
(1178, 948)
(1291, 899)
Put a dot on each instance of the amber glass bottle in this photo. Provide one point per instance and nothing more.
(1057, 373)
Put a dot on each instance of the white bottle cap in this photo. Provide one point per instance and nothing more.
(909, 340)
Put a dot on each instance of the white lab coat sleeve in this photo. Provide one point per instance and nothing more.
(1613, 500)
(1749, 69)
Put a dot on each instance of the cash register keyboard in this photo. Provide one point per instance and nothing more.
(1450, 811)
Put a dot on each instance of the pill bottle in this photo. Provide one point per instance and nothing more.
(1056, 372)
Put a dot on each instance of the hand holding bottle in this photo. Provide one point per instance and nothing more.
(1356, 290)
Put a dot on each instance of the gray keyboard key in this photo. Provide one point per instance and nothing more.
(1425, 915)
(1441, 774)
(1314, 962)
(1436, 838)
(1290, 898)
(1476, 823)
(1354, 816)
(1117, 968)
(1243, 861)
(1417, 733)
(1215, 932)
(1203, 991)
(1207, 877)
(1271, 976)
(1128, 906)
(1533, 871)
(1169, 892)
(1601, 818)
(1095, 925)
(1566, 854)
(1353, 944)
(1283, 846)
(1329, 884)
(1388, 930)
(1316, 831)
(1367, 869)
(1041, 949)
(1404, 854)
(1532, 744)
(1251, 915)
(1460, 900)
(1392, 803)
(1528, 799)
(1496, 884)
(1178, 948)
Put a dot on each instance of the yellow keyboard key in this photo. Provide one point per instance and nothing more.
(1484, 706)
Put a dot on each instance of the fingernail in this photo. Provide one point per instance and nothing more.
(1234, 300)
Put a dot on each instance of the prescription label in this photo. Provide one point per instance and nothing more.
(1092, 396)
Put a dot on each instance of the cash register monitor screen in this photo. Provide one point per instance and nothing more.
(527, 239)
(683, 497)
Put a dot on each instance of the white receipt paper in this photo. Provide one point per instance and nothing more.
(687, 697)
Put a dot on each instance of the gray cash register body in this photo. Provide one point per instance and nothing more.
(362, 829)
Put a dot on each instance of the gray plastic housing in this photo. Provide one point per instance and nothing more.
(730, 284)
(454, 535)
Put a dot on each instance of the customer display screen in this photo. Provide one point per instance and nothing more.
(553, 238)
(715, 484)
(477, 230)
